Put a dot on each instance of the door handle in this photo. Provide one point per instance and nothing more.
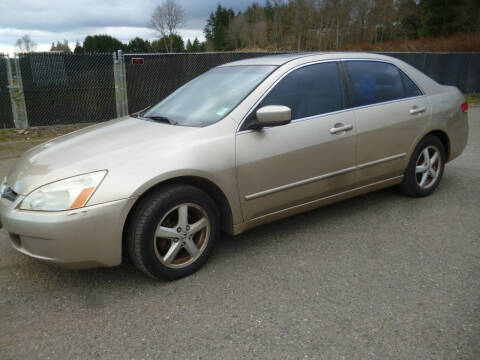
(417, 110)
(340, 128)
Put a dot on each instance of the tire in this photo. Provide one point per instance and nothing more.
(160, 232)
(424, 173)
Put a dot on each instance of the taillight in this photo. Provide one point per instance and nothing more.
(465, 106)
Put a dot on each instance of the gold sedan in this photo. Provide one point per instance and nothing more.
(243, 144)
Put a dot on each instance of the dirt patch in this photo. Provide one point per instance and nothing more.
(13, 142)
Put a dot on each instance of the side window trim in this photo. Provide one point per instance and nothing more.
(349, 83)
(337, 61)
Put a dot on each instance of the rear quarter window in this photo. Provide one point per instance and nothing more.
(410, 88)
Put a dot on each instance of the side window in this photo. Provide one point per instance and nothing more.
(375, 82)
(308, 91)
(410, 88)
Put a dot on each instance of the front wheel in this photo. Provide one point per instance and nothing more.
(425, 168)
(171, 233)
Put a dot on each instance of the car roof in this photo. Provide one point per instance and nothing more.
(277, 60)
(281, 59)
(429, 86)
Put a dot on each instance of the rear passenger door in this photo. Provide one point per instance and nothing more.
(390, 112)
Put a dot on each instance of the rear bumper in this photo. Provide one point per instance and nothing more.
(82, 238)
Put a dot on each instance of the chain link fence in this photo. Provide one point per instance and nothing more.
(6, 115)
(457, 69)
(66, 89)
(58, 88)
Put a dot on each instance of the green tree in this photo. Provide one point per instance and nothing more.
(194, 46)
(197, 46)
(170, 43)
(217, 29)
(78, 48)
(139, 45)
(188, 47)
(440, 17)
(102, 43)
(469, 16)
(410, 15)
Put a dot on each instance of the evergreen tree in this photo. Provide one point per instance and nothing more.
(189, 46)
(102, 43)
(139, 45)
(78, 48)
(162, 45)
(440, 17)
(62, 47)
(196, 46)
(410, 14)
(217, 28)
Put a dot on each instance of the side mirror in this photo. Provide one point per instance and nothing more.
(274, 115)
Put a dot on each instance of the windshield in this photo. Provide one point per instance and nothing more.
(209, 97)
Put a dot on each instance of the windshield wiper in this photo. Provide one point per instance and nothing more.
(160, 119)
(140, 112)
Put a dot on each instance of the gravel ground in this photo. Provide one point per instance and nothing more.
(380, 276)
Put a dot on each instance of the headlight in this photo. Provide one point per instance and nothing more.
(71, 193)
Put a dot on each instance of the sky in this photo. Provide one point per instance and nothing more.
(51, 20)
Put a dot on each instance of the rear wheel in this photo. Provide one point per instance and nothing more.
(171, 233)
(425, 168)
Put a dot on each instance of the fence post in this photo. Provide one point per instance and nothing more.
(11, 88)
(123, 75)
(21, 95)
(118, 101)
(120, 83)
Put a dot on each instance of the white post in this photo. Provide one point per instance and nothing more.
(21, 94)
(116, 80)
(11, 88)
(123, 82)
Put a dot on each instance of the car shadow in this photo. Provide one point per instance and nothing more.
(126, 275)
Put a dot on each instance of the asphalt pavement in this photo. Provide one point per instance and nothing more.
(381, 276)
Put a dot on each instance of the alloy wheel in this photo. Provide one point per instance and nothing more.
(428, 166)
(182, 235)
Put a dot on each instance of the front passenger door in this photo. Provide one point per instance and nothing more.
(285, 166)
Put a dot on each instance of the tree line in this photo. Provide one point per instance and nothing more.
(294, 25)
(336, 24)
(107, 43)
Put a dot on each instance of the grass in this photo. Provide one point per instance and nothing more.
(473, 99)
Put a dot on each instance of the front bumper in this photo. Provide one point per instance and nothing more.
(82, 238)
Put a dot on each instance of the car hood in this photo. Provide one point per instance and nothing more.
(110, 144)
